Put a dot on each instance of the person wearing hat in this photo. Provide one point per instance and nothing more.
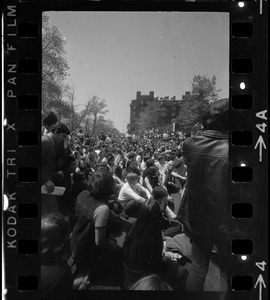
(205, 209)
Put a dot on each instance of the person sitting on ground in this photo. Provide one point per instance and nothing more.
(94, 254)
(143, 163)
(143, 246)
(170, 226)
(55, 252)
(132, 195)
(179, 171)
(151, 175)
(131, 167)
(162, 166)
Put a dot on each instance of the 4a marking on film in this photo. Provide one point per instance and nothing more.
(260, 142)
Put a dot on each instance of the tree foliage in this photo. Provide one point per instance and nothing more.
(54, 63)
(193, 107)
(204, 88)
(97, 108)
(107, 126)
(60, 97)
(152, 117)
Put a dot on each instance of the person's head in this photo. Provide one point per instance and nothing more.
(179, 154)
(102, 167)
(151, 283)
(49, 120)
(152, 172)
(150, 212)
(134, 167)
(70, 163)
(78, 179)
(217, 116)
(61, 130)
(54, 238)
(131, 156)
(150, 162)
(143, 244)
(132, 178)
(170, 164)
(82, 163)
(161, 197)
(102, 185)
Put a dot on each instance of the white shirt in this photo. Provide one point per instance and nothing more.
(128, 193)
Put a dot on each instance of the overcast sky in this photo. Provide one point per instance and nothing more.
(113, 55)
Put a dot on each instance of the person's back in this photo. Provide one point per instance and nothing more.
(94, 254)
(143, 244)
(206, 157)
(205, 210)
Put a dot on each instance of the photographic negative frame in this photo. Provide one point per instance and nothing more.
(21, 115)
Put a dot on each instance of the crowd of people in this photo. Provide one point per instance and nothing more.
(108, 180)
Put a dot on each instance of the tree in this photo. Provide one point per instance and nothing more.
(151, 117)
(204, 88)
(96, 108)
(193, 107)
(107, 126)
(54, 62)
(59, 104)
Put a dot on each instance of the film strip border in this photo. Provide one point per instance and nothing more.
(22, 146)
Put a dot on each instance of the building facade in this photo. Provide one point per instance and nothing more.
(171, 107)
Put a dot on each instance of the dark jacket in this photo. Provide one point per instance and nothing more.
(205, 207)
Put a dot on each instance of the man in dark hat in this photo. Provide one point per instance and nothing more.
(204, 209)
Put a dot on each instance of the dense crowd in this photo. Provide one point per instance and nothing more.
(108, 181)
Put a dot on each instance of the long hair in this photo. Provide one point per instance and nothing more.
(54, 238)
(151, 283)
(143, 244)
(102, 185)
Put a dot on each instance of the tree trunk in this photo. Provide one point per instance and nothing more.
(94, 125)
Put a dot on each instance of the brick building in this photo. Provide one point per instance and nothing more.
(172, 107)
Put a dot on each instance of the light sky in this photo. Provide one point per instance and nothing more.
(115, 54)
